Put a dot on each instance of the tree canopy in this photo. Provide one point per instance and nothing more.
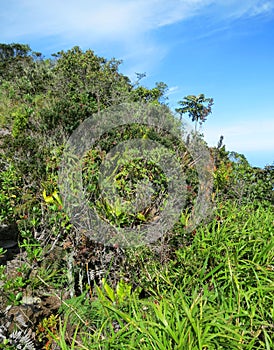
(197, 107)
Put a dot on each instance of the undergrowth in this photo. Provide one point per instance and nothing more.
(217, 294)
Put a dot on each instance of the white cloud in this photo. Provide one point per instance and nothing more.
(112, 20)
(124, 24)
(172, 90)
(253, 8)
(125, 27)
(118, 20)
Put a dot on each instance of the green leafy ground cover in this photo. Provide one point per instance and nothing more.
(217, 293)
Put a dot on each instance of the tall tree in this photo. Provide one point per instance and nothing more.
(197, 107)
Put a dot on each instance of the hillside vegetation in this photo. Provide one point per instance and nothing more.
(206, 283)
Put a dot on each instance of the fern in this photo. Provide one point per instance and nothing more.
(20, 340)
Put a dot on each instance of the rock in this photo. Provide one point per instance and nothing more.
(4, 132)
(8, 236)
(7, 244)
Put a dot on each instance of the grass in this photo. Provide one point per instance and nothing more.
(217, 294)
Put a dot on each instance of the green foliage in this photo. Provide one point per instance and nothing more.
(217, 294)
(251, 184)
(32, 247)
(21, 118)
(13, 57)
(118, 296)
(197, 107)
(2, 252)
(12, 289)
(142, 94)
(83, 84)
(10, 190)
(236, 179)
(126, 178)
(131, 170)
(47, 330)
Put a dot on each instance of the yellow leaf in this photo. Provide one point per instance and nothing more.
(56, 197)
(141, 217)
(48, 199)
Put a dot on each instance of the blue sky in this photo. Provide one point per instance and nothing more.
(222, 48)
